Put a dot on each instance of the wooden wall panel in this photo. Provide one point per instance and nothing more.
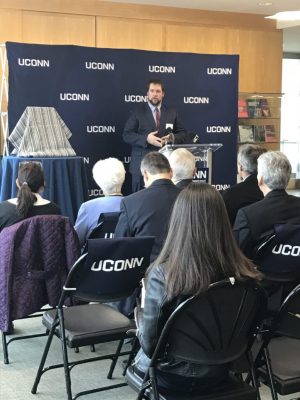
(10, 25)
(260, 52)
(51, 28)
(130, 34)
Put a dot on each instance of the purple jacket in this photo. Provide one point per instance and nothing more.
(35, 256)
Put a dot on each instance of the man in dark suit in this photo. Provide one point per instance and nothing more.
(255, 222)
(183, 165)
(149, 128)
(247, 191)
(147, 212)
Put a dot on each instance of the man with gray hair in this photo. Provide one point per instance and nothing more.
(247, 191)
(183, 165)
(147, 212)
(255, 222)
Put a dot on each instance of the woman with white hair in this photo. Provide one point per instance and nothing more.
(109, 174)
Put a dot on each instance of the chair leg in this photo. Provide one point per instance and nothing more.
(135, 347)
(115, 359)
(43, 359)
(65, 353)
(270, 374)
(153, 383)
(145, 385)
(253, 375)
(5, 350)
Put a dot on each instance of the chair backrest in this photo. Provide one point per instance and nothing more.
(105, 228)
(216, 327)
(109, 222)
(280, 253)
(35, 256)
(287, 321)
(111, 269)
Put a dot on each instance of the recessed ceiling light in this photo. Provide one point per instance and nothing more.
(265, 3)
(286, 16)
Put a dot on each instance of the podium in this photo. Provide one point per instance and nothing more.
(202, 152)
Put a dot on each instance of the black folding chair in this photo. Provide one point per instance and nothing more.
(35, 257)
(278, 257)
(111, 270)
(214, 328)
(105, 228)
(278, 359)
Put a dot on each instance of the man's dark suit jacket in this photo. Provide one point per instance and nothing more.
(184, 183)
(147, 213)
(140, 124)
(241, 195)
(255, 222)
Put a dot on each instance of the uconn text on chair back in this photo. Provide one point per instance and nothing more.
(113, 268)
(280, 254)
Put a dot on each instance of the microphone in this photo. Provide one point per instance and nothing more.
(169, 133)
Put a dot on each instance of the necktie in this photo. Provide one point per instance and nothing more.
(157, 115)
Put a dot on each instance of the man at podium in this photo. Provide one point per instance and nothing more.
(149, 128)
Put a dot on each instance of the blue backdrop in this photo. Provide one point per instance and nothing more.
(94, 90)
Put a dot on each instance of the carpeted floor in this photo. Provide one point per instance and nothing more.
(16, 379)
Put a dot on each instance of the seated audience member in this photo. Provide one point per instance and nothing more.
(183, 165)
(247, 191)
(29, 202)
(193, 256)
(147, 212)
(255, 222)
(109, 174)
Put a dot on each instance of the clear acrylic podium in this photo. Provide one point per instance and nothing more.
(202, 152)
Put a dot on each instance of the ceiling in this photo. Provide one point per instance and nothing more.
(291, 31)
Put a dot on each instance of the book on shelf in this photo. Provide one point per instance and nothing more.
(270, 134)
(242, 109)
(245, 133)
(265, 109)
(259, 133)
(254, 108)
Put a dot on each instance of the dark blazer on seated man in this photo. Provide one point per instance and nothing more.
(255, 222)
(241, 195)
(147, 212)
(247, 191)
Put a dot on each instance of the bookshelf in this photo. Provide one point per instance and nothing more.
(259, 119)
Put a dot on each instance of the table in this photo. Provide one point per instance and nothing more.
(65, 181)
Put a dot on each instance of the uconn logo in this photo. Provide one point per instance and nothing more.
(196, 100)
(221, 187)
(219, 71)
(99, 65)
(117, 265)
(127, 159)
(33, 62)
(200, 175)
(74, 97)
(162, 69)
(132, 98)
(95, 192)
(218, 129)
(100, 129)
(286, 250)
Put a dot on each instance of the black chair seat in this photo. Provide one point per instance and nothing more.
(284, 355)
(233, 389)
(111, 270)
(91, 324)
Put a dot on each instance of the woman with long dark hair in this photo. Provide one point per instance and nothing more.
(29, 202)
(199, 250)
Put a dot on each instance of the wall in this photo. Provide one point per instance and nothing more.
(113, 25)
